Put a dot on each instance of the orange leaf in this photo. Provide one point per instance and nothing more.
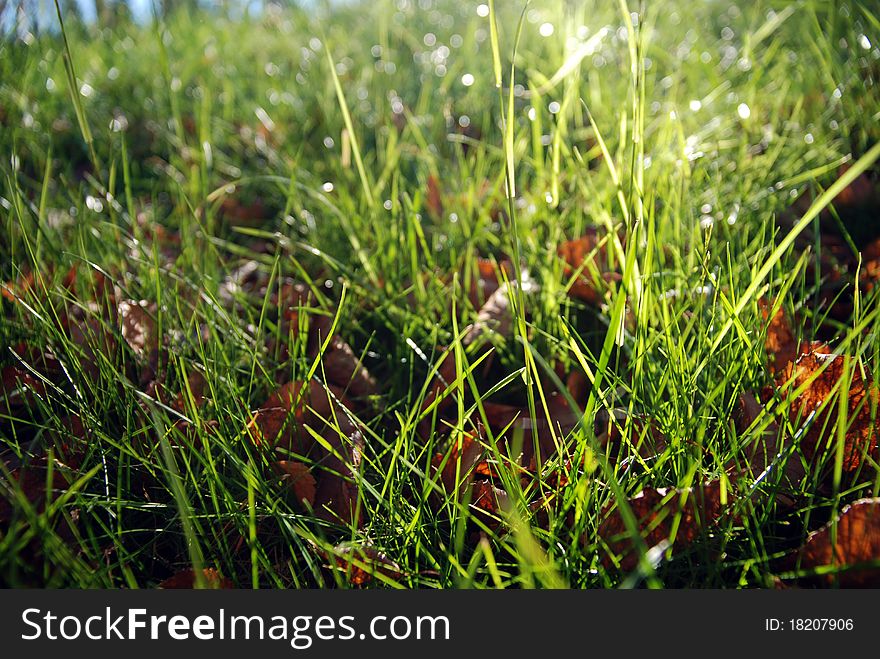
(300, 480)
(862, 401)
(854, 543)
(656, 511)
(462, 459)
(579, 255)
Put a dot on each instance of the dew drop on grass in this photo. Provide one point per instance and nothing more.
(387, 205)
(546, 29)
(744, 111)
(467, 79)
(734, 214)
(695, 105)
(482, 11)
(119, 123)
(554, 107)
(327, 187)
(94, 204)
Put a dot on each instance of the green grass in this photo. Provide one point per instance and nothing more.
(683, 131)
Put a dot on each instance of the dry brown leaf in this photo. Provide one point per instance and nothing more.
(300, 480)
(137, 323)
(488, 500)
(361, 564)
(780, 344)
(465, 454)
(196, 384)
(539, 435)
(234, 210)
(343, 369)
(434, 198)
(30, 481)
(486, 280)
(586, 255)
(284, 422)
(643, 440)
(18, 388)
(280, 421)
(862, 401)
(852, 545)
(656, 511)
(766, 450)
(186, 579)
(445, 376)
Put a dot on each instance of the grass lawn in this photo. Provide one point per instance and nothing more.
(421, 293)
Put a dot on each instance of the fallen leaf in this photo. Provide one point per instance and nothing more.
(851, 546)
(30, 481)
(821, 373)
(234, 210)
(643, 439)
(538, 435)
(780, 344)
(19, 388)
(186, 579)
(300, 480)
(137, 323)
(766, 451)
(196, 385)
(287, 420)
(488, 499)
(444, 377)
(656, 511)
(434, 198)
(343, 369)
(465, 453)
(587, 256)
(486, 279)
(362, 563)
